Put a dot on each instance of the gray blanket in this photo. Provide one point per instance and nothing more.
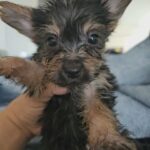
(132, 71)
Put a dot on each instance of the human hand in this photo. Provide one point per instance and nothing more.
(25, 111)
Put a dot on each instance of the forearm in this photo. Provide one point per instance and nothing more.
(12, 137)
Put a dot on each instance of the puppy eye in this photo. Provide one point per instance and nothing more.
(52, 40)
(93, 39)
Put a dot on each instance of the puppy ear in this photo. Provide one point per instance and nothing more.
(115, 7)
(17, 16)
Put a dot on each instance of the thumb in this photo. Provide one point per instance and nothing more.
(53, 89)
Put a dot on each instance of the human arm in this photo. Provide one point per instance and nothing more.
(19, 121)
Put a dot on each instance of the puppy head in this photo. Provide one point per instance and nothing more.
(70, 34)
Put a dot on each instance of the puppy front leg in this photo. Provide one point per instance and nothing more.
(103, 127)
(103, 131)
(22, 71)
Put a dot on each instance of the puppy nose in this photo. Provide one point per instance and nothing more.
(72, 68)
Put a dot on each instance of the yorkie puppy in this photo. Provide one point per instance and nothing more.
(71, 37)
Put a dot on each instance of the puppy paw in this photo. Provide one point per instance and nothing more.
(23, 71)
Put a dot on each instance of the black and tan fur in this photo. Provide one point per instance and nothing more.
(71, 37)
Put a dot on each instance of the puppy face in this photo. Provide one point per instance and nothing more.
(70, 35)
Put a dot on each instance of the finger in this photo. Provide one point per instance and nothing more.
(59, 90)
(53, 89)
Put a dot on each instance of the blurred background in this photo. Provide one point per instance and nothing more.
(132, 29)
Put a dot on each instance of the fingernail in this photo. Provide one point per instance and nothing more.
(63, 90)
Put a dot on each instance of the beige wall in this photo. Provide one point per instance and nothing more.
(134, 25)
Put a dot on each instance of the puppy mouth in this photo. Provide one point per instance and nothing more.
(72, 80)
